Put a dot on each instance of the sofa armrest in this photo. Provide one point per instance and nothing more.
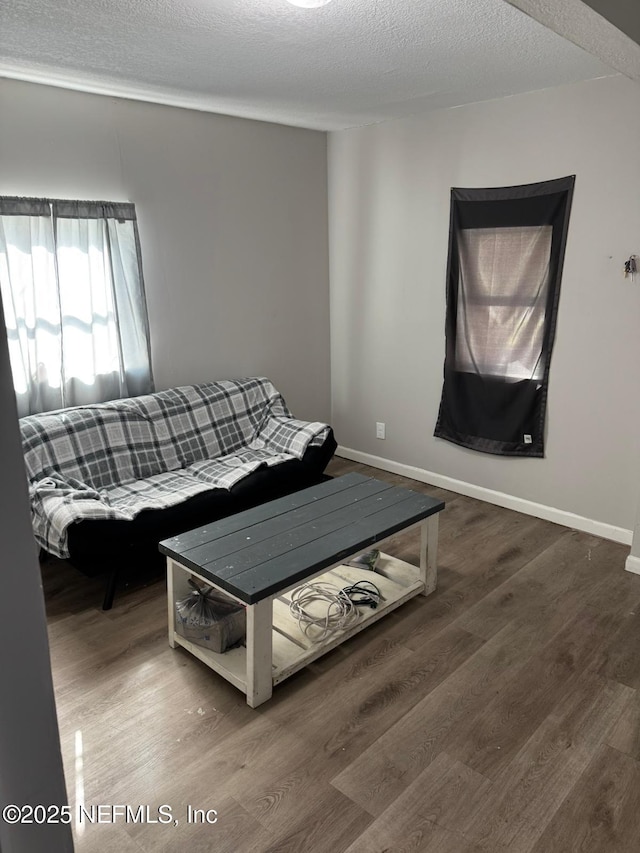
(280, 434)
(55, 503)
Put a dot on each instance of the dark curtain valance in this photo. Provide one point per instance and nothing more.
(63, 209)
(14, 206)
(506, 251)
(93, 210)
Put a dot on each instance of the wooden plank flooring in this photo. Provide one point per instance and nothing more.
(499, 715)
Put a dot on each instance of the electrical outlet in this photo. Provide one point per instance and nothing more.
(380, 430)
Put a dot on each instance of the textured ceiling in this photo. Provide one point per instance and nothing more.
(618, 46)
(349, 63)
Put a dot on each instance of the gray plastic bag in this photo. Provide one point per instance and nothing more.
(210, 619)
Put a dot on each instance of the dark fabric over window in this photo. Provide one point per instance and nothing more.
(506, 251)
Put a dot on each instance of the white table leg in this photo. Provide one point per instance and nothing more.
(259, 652)
(429, 553)
(171, 568)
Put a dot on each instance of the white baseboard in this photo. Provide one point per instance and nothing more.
(633, 565)
(548, 513)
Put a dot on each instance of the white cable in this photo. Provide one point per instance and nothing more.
(341, 611)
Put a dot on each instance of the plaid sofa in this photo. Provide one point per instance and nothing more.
(110, 477)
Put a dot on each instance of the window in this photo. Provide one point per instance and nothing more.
(500, 328)
(506, 249)
(73, 298)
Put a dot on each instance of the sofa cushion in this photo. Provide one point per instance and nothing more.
(94, 445)
(226, 471)
(198, 422)
(96, 545)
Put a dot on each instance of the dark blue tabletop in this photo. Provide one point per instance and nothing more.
(263, 550)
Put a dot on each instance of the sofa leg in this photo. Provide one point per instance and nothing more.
(110, 590)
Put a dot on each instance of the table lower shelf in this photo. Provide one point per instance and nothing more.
(397, 581)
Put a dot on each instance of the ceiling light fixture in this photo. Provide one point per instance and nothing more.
(309, 4)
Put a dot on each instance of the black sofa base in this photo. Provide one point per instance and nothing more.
(115, 547)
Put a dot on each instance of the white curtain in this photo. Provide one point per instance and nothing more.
(73, 294)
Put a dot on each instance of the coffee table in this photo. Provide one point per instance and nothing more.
(259, 556)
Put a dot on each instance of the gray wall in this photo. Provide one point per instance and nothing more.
(233, 225)
(389, 216)
(30, 760)
(623, 14)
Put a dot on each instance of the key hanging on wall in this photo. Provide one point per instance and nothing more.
(630, 267)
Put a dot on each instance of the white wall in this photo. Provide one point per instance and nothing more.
(233, 225)
(389, 217)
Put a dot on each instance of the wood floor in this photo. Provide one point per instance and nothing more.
(502, 713)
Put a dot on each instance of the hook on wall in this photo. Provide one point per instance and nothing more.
(631, 267)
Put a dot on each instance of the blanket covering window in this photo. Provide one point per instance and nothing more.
(506, 251)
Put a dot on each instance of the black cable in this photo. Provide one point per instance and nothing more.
(363, 594)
